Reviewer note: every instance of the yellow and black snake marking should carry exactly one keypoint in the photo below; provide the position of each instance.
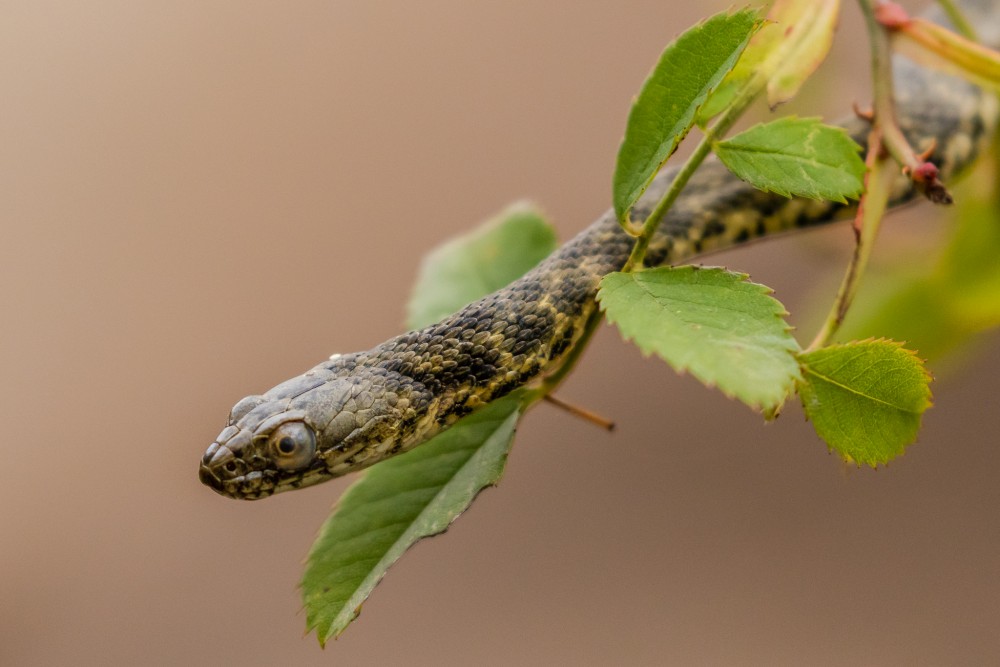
(357, 409)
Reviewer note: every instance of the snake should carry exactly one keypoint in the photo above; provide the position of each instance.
(354, 410)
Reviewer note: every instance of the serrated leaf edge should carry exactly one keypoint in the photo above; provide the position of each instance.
(726, 144)
(637, 193)
(323, 638)
(682, 369)
(928, 398)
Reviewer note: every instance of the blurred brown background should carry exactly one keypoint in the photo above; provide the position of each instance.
(200, 199)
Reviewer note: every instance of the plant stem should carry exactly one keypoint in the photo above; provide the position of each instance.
(956, 16)
(885, 135)
(923, 174)
(703, 150)
(871, 209)
(582, 413)
(747, 94)
(893, 139)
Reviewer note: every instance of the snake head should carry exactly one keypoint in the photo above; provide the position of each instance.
(305, 431)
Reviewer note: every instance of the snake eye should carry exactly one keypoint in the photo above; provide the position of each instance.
(293, 445)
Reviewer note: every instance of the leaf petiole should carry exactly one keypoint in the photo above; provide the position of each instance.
(878, 185)
(747, 94)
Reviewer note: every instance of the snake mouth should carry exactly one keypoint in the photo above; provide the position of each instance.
(226, 473)
(318, 473)
(251, 486)
(209, 478)
(229, 475)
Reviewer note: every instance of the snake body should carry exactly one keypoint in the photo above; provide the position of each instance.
(354, 410)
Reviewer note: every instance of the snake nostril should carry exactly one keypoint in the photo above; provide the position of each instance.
(231, 466)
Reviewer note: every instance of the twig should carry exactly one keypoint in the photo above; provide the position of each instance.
(887, 136)
(878, 184)
(583, 413)
(924, 174)
(747, 94)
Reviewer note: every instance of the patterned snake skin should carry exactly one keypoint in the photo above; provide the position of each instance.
(354, 410)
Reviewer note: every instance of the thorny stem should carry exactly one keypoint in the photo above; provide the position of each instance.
(878, 185)
(885, 105)
(885, 136)
(924, 175)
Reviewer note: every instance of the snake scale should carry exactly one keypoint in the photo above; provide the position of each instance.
(354, 410)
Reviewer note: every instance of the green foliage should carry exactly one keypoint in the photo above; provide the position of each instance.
(802, 34)
(782, 55)
(688, 70)
(418, 494)
(865, 399)
(796, 157)
(397, 503)
(722, 328)
(945, 293)
(471, 266)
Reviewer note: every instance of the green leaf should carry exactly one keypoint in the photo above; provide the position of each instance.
(865, 399)
(806, 28)
(721, 97)
(722, 328)
(796, 157)
(398, 502)
(783, 54)
(688, 70)
(482, 261)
